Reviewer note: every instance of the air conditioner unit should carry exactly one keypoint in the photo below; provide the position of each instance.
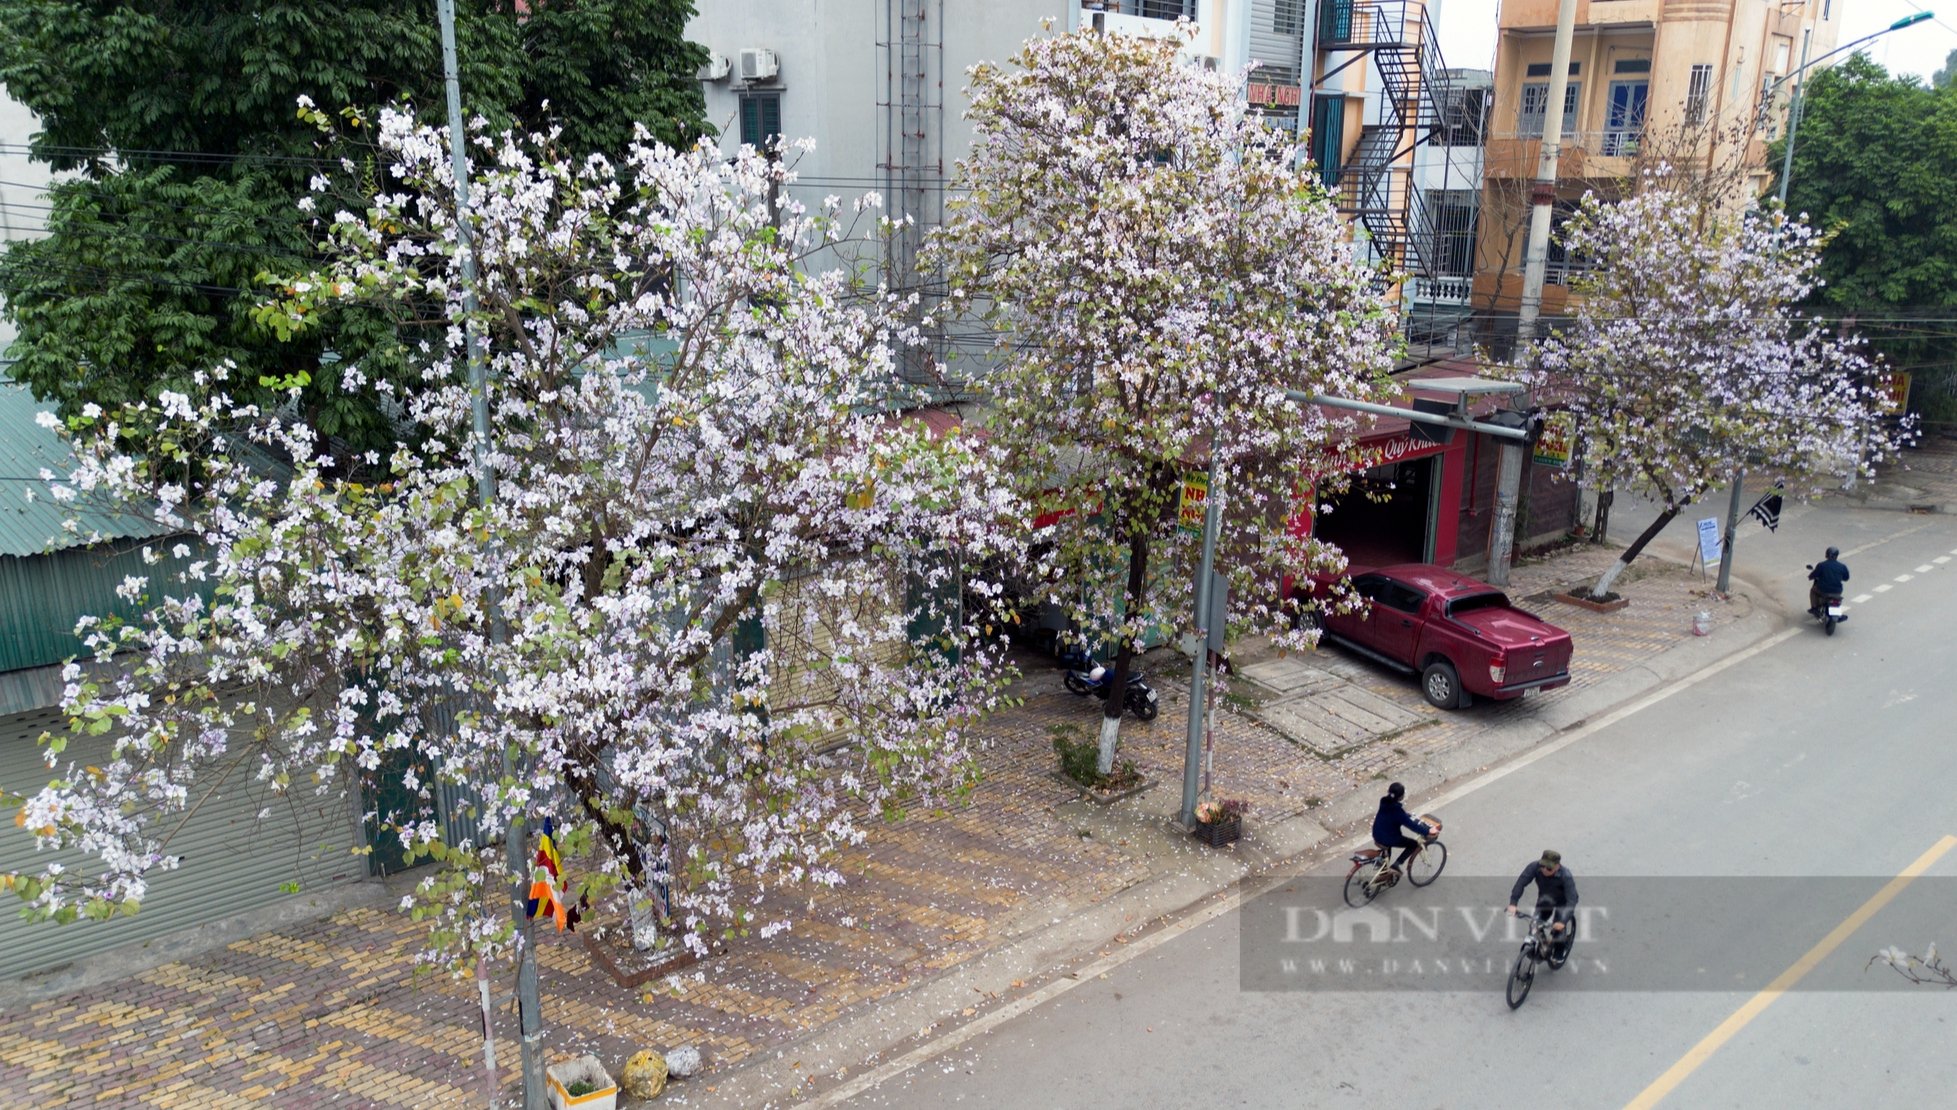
(716, 69)
(759, 65)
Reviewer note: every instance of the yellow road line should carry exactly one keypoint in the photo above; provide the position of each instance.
(1703, 1051)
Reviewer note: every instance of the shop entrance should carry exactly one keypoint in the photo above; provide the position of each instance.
(1384, 517)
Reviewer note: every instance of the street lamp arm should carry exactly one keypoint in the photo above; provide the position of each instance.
(1906, 21)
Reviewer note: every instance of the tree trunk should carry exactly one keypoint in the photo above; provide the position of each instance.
(1125, 655)
(1602, 523)
(1602, 588)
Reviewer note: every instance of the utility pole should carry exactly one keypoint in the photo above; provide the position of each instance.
(1542, 198)
(1724, 585)
(1199, 677)
(517, 841)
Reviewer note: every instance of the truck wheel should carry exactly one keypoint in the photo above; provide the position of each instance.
(1305, 620)
(1441, 685)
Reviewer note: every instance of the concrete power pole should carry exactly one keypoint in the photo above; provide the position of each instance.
(517, 841)
(1542, 198)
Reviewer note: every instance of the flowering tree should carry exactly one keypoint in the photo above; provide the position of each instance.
(690, 436)
(1684, 360)
(1159, 268)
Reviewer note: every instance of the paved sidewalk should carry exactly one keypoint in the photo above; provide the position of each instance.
(1924, 480)
(941, 915)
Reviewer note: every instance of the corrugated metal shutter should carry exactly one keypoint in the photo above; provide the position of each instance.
(1274, 38)
(232, 860)
(41, 596)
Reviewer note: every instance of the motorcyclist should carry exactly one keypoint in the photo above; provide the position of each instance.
(1830, 578)
(1393, 817)
(1555, 885)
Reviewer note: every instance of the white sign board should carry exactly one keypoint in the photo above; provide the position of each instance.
(1709, 540)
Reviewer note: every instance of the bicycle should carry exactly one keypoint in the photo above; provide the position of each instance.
(1373, 870)
(1541, 947)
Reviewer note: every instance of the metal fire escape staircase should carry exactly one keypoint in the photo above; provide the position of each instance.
(1375, 185)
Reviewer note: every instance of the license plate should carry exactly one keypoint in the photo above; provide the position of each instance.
(1836, 611)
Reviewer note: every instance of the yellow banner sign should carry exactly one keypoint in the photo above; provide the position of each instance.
(1558, 440)
(1894, 391)
(1195, 497)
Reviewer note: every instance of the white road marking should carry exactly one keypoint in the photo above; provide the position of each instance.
(1941, 559)
(1904, 577)
(1860, 598)
(979, 1026)
(1884, 588)
(1925, 569)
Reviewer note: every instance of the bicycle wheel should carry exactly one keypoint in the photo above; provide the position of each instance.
(1559, 954)
(1360, 887)
(1428, 865)
(1522, 976)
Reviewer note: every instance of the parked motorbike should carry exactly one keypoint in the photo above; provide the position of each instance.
(1830, 612)
(1085, 676)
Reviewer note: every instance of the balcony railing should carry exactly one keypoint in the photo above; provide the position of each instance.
(1443, 290)
(1515, 155)
(1147, 9)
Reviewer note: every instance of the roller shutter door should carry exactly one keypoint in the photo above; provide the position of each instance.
(232, 860)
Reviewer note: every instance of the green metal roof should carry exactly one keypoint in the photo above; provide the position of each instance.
(30, 518)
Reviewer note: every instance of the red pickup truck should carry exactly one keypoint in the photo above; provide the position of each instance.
(1462, 637)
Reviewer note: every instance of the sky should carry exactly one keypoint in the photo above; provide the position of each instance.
(1467, 32)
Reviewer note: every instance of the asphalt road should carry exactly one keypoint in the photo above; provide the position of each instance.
(1721, 831)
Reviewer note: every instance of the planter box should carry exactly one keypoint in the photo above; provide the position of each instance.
(628, 979)
(1586, 603)
(586, 1069)
(1218, 833)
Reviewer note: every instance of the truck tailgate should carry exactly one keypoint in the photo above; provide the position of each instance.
(1534, 649)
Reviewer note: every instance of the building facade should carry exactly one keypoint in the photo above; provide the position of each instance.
(878, 84)
(1678, 81)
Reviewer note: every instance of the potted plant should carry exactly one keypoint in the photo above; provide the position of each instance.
(1220, 821)
(581, 1084)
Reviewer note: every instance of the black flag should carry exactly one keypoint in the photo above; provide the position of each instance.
(1767, 510)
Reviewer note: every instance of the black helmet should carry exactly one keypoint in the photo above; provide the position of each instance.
(1396, 791)
(1834, 552)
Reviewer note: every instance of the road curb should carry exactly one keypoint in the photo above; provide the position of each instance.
(1185, 875)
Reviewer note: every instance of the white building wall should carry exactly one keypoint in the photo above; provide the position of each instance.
(836, 75)
(23, 185)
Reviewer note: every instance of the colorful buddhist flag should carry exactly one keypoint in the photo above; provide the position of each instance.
(546, 895)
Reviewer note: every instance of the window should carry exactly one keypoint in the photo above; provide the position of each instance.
(1827, 7)
(1535, 108)
(1541, 69)
(1698, 91)
(1464, 117)
(1393, 595)
(1157, 9)
(1562, 264)
(1783, 47)
(1451, 213)
(760, 118)
(1289, 17)
(1632, 65)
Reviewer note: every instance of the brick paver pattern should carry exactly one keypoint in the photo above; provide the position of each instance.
(331, 1012)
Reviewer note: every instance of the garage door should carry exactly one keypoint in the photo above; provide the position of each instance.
(232, 860)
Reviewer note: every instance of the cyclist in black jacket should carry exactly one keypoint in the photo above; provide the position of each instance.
(1391, 818)
(1554, 884)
